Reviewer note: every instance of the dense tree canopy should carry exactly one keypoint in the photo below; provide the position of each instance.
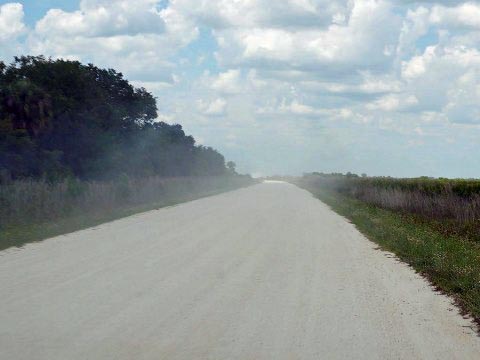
(62, 118)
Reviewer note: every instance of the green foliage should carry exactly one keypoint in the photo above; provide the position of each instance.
(426, 185)
(451, 206)
(61, 118)
(75, 188)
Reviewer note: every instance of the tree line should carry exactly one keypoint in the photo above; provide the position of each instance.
(61, 118)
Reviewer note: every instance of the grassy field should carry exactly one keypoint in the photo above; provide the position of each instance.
(450, 261)
(35, 210)
(451, 206)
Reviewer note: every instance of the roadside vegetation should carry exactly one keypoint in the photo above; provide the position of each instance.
(451, 206)
(80, 145)
(431, 224)
(32, 210)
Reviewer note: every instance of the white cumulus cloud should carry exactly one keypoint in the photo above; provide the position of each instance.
(11, 21)
(313, 78)
(216, 107)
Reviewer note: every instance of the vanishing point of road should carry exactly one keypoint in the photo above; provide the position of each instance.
(264, 272)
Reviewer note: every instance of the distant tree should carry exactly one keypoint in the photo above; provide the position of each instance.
(231, 167)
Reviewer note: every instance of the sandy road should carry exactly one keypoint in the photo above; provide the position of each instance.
(266, 272)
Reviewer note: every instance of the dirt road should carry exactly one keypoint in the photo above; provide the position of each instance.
(266, 272)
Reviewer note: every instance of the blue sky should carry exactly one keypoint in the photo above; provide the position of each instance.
(36, 9)
(383, 87)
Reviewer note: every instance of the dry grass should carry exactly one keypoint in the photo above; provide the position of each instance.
(31, 210)
(452, 206)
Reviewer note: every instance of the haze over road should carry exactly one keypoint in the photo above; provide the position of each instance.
(265, 272)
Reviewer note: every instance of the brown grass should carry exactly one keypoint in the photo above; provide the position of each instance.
(31, 210)
(438, 202)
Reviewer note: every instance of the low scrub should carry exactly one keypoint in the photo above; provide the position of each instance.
(32, 209)
(452, 206)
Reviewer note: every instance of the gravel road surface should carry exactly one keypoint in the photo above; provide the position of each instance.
(265, 272)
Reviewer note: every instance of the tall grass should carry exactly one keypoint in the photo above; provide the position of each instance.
(40, 205)
(453, 206)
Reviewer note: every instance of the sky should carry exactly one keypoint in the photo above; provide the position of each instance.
(382, 87)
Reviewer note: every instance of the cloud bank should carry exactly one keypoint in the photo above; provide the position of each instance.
(377, 86)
